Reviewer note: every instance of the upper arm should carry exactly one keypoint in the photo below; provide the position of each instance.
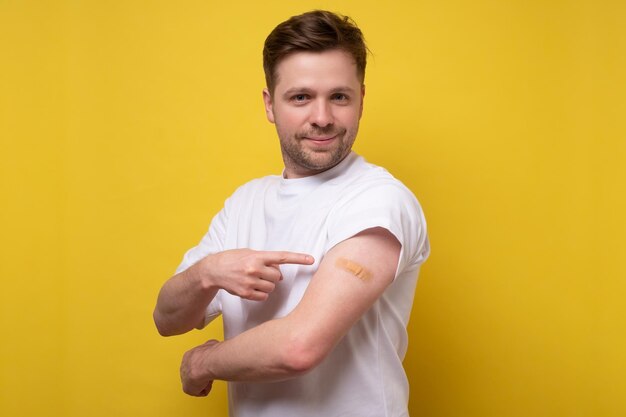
(350, 278)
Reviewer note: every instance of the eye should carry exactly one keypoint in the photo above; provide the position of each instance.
(300, 98)
(341, 97)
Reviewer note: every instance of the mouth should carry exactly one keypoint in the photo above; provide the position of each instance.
(321, 139)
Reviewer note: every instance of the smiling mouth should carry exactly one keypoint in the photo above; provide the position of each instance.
(321, 135)
(323, 139)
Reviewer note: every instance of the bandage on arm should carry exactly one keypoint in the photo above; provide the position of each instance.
(354, 268)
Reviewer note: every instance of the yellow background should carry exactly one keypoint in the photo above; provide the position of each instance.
(125, 124)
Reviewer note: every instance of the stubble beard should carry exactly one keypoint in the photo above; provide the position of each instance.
(296, 155)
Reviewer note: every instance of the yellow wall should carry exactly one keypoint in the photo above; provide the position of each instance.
(125, 124)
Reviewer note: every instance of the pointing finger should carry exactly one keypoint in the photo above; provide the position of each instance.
(283, 257)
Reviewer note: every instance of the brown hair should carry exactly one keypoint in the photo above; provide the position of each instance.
(314, 31)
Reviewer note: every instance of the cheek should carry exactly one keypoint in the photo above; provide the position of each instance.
(290, 120)
(349, 118)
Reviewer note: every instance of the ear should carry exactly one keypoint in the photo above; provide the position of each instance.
(362, 97)
(269, 109)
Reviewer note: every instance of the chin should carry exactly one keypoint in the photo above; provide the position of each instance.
(324, 160)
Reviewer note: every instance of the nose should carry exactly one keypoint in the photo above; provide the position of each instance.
(321, 114)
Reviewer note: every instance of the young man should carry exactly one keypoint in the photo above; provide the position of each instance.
(313, 271)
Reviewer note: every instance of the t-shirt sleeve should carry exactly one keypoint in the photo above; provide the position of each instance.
(212, 242)
(390, 206)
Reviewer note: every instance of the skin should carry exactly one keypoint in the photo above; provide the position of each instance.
(316, 107)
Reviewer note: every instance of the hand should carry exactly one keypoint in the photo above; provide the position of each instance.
(248, 273)
(193, 370)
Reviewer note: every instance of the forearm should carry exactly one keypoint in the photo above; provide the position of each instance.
(272, 351)
(182, 302)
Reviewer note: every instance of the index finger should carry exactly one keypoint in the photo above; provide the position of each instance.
(284, 257)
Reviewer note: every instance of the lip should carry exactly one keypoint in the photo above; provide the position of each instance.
(321, 139)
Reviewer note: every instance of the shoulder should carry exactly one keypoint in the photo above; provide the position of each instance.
(369, 183)
(381, 198)
(371, 198)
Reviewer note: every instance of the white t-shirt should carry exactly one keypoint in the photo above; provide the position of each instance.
(363, 375)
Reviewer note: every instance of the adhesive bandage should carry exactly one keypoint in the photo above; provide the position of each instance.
(354, 268)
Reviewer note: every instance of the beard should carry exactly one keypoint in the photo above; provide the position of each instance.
(297, 155)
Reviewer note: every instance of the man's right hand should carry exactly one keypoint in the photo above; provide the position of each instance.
(248, 273)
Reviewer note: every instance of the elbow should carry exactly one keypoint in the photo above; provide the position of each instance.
(300, 356)
(161, 325)
(164, 332)
(168, 326)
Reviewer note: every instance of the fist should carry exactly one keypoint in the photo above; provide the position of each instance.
(193, 374)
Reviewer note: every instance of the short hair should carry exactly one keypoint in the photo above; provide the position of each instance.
(314, 31)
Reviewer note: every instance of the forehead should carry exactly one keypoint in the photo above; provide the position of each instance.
(317, 70)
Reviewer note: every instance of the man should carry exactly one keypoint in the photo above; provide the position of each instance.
(313, 271)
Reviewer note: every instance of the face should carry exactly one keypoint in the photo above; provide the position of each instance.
(316, 106)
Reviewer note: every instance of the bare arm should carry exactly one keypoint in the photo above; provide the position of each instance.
(249, 274)
(183, 300)
(349, 280)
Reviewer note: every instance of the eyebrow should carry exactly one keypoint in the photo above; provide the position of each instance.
(306, 90)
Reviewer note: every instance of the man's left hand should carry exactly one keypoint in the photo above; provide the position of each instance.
(192, 370)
